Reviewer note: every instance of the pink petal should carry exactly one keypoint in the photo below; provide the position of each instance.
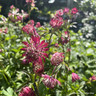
(46, 49)
(45, 54)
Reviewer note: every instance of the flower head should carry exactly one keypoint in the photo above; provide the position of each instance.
(12, 6)
(74, 11)
(31, 22)
(59, 12)
(27, 92)
(35, 50)
(50, 82)
(38, 25)
(75, 77)
(57, 58)
(29, 29)
(38, 67)
(66, 10)
(56, 22)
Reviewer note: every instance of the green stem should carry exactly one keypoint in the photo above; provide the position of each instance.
(53, 70)
(35, 87)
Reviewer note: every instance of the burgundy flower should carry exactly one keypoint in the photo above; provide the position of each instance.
(66, 10)
(75, 77)
(56, 22)
(93, 78)
(57, 58)
(38, 67)
(27, 92)
(29, 29)
(74, 11)
(35, 50)
(50, 82)
(65, 38)
(59, 12)
(38, 25)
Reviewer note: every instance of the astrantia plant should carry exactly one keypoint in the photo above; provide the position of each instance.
(36, 50)
(39, 60)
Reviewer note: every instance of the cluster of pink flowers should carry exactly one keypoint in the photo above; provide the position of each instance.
(26, 91)
(49, 81)
(64, 11)
(30, 29)
(15, 16)
(56, 22)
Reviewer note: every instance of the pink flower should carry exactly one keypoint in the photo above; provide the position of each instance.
(29, 29)
(66, 10)
(75, 77)
(31, 22)
(38, 25)
(56, 22)
(38, 67)
(12, 6)
(50, 82)
(93, 78)
(35, 50)
(74, 11)
(27, 92)
(57, 58)
(59, 12)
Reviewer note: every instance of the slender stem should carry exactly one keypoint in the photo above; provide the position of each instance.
(50, 38)
(53, 70)
(35, 87)
(29, 10)
(69, 48)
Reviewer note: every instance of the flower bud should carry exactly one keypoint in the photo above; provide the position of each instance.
(57, 58)
(75, 77)
(27, 92)
(50, 82)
